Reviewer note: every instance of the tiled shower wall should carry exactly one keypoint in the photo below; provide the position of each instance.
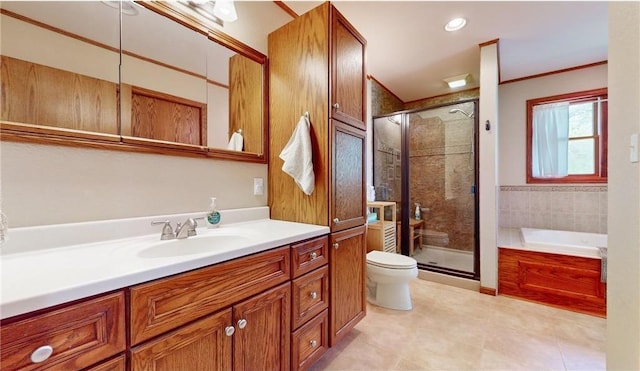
(569, 208)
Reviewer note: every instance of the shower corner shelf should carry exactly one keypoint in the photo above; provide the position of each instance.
(381, 234)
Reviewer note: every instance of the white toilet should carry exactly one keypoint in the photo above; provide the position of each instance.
(388, 277)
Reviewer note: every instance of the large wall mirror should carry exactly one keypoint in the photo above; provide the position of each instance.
(147, 76)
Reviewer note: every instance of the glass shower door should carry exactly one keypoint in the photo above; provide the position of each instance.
(441, 187)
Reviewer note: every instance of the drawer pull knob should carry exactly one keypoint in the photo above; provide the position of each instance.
(313, 343)
(336, 220)
(229, 330)
(41, 354)
(313, 256)
(336, 105)
(313, 294)
(336, 245)
(242, 323)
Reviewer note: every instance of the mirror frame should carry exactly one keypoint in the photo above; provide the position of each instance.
(19, 132)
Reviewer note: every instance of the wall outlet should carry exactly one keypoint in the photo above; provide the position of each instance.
(258, 186)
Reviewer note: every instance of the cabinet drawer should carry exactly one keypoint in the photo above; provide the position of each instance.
(310, 342)
(165, 304)
(309, 255)
(81, 334)
(310, 295)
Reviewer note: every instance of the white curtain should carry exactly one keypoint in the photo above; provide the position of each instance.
(550, 140)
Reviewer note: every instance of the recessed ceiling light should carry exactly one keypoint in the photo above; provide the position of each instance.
(455, 24)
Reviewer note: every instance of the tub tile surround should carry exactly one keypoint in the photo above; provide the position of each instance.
(570, 208)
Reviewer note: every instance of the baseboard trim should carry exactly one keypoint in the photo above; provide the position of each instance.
(487, 291)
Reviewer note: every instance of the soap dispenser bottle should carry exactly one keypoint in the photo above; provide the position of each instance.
(213, 215)
(417, 213)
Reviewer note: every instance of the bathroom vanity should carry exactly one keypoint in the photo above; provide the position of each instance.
(261, 302)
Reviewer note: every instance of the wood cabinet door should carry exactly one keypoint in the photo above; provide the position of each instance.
(263, 330)
(348, 73)
(347, 257)
(348, 200)
(202, 345)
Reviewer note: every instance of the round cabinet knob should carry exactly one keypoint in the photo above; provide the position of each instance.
(313, 256)
(313, 294)
(336, 105)
(336, 220)
(229, 330)
(41, 354)
(313, 343)
(242, 323)
(336, 245)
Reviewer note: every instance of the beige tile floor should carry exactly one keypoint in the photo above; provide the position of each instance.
(456, 329)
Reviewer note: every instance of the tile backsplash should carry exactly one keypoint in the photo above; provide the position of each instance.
(570, 208)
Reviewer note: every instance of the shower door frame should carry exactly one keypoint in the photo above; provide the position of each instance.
(406, 210)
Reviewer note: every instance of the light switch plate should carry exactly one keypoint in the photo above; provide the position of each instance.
(258, 186)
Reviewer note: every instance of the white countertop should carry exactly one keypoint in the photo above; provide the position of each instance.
(37, 279)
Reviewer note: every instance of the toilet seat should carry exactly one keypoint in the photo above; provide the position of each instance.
(390, 261)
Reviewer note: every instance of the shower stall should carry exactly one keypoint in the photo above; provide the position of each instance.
(426, 161)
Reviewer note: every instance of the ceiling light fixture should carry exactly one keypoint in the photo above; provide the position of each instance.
(455, 24)
(457, 81)
(225, 10)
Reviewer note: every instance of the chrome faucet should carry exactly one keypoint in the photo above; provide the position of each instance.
(187, 229)
(182, 231)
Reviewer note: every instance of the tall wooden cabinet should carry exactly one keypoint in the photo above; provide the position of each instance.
(316, 65)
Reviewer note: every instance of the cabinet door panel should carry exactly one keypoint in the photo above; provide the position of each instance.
(262, 341)
(348, 200)
(347, 276)
(347, 80)
(202, 346)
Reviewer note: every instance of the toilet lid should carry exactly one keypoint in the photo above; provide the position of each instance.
(389, 260)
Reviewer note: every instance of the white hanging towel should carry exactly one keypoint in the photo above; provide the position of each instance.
(297, 156)
(236, 142)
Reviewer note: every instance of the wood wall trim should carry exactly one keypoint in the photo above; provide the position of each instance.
(441, 95)
(486, 43)
(554, 72)
(487, 291)
(286, 9)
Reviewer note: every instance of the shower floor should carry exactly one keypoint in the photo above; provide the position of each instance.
(444, 257)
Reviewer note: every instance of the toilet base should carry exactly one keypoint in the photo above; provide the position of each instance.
(390, 295)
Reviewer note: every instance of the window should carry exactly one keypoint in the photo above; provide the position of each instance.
(567, 138)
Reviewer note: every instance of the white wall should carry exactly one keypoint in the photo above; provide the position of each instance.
(513, 115)
(44, 184)
(623, 287)
(488, 153)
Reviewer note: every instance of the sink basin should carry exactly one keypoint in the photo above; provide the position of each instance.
(194, 245)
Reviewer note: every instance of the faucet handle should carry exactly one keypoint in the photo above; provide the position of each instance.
(193, 224)
(167, 231)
